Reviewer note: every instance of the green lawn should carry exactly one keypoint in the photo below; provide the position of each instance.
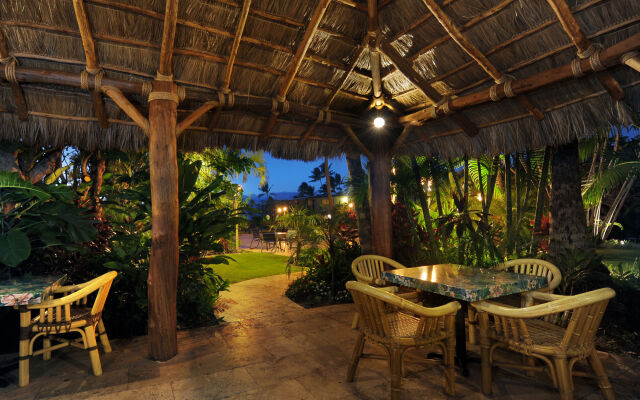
(253, 265)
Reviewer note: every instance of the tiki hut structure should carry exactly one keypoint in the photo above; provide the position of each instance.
(303, 79)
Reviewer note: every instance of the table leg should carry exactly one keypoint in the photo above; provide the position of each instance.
(23, 353)
(461, 339)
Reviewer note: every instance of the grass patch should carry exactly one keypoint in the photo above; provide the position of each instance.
(253, 265)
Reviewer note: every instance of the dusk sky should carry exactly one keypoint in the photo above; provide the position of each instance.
(287, 175)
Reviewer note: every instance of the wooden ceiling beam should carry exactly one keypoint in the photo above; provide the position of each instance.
(18, 94)
(353, 4)
(417, 80)
(584, 46)
(294, 66)
(609, 57)
(242, 21)
(93, 64)
(417, 23)
(168, 38)
(125, 105)
(465, 44)
(356, 140)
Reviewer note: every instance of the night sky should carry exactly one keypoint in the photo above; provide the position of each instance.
(287, 175)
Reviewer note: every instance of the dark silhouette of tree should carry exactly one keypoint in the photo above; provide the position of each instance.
(305, 190)
(336, 180)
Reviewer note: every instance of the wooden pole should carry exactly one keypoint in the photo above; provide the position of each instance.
(163, 268)
(380, 175)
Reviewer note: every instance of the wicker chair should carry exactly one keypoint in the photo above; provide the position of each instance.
(532, 266)
(398, 325)
(559, 332)
(63, 315)
(368, 269)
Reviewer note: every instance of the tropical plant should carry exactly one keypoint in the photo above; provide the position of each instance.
(306, 224)
(38, 216)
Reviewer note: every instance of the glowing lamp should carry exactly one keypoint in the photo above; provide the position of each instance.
(378, 122)
(350, 205)
(279, 210)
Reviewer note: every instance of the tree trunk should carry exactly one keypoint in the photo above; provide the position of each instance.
(537, 219)
(568, 224)
(163, 268)
(99, 168)
(509, 206)
(380, 187)
(356, 172)
(327, 175)
(421, 195)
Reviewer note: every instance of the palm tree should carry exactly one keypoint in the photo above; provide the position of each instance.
(359, 192)
(305, 190)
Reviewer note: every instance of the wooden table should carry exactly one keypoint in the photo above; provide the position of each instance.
(466, 285)
(19, 293)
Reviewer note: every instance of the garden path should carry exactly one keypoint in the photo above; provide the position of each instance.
(271, 348)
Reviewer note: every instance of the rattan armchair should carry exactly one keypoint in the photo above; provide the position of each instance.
(532, 266)
(369, 268)
(67, 314)
(398, 325)
(558, 332)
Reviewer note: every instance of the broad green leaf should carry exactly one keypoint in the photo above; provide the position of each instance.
(14, 247)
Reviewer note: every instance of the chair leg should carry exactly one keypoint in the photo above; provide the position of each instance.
(104, 339)
(355, 358)
(603, 380)
(449, 366)
(356, 318)
(46, 343)
(23, 352)
(92, 346)
(473, 320)
(486, 365)
(395, 364)
(564, 378)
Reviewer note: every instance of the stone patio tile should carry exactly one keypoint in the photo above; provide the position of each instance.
(284, 368)
(217, 385)
(160, 391)
(289, 389)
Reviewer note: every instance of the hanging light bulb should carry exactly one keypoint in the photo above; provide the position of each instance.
(378, 122)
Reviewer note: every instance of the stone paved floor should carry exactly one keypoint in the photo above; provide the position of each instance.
(271, 348)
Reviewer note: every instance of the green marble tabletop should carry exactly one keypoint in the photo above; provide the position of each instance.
(27, 290)
(464, 283)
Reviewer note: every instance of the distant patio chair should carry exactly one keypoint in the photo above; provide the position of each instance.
(256, 238)
(68, 314)
(269, 239)
(292, 235)
(399, 325)
(559, 331)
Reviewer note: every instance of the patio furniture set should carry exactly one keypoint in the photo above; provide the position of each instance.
(550, 332)
(270, 240)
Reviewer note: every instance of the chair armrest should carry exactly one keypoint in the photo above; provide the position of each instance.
(390, 289)
(87, 289)
(544, 296)
(564, 303)
(70, 288)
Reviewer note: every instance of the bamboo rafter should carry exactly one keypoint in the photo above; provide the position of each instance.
(168, 38)
(584, 46)
(609, 57)
(354, 138)
(93, 64)
(461, 40)
(18, 94)
(184, 52)
(292, 71)
(334, 93)
(407, 69)
(501, 46)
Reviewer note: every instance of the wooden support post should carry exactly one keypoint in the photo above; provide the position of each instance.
(380, 184)
(163, 268)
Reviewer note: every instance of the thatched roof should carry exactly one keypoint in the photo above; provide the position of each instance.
(521, 38)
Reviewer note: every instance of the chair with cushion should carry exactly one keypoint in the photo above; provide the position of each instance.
(398, 325)
(78, 311)
(369, 268)
(557, 331)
